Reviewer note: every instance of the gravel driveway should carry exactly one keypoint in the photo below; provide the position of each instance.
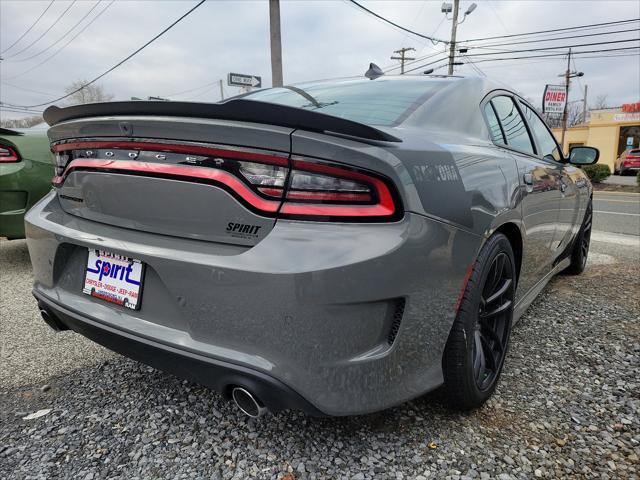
(567, 406)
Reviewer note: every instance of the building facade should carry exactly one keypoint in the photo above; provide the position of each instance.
(610, 130)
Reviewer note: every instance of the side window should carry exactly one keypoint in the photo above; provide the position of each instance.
(494, 127)
(547, 146)
(513, 126)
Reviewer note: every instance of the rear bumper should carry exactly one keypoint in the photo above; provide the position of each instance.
(216, 374)
(313, 306)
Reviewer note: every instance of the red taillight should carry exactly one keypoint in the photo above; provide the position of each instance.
(269, 183)
(336, 192)
(8, 155)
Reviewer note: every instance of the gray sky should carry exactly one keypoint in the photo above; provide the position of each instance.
(320, 39)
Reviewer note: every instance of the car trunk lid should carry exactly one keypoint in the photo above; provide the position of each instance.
(183, 177)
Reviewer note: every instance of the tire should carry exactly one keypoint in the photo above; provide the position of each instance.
(478, 341)
(580, 250)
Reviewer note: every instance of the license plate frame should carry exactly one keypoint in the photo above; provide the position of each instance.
(114, 278)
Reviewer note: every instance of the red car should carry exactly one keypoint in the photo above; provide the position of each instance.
(628, 160)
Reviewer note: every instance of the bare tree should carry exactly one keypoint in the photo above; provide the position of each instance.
(574, 113)
(89, 94)
(600, 103)
(24, 122)
(554, 120)
(574, 116)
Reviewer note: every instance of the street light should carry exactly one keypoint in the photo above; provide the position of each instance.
(568, 75)
(446, 8)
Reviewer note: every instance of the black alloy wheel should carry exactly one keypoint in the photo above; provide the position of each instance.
(494, 318)
(478, 341)
(585, 239)
(581, 244)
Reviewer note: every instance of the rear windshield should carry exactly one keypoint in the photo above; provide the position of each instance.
(381, 101)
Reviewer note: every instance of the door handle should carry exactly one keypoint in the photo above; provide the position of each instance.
(528, 178)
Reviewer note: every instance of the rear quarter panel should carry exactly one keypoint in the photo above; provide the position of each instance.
(471, 187)
(23, 183)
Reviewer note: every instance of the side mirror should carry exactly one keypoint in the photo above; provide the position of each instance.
(583, 156)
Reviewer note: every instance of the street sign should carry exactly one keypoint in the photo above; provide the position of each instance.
(242, 80)
(554, 99)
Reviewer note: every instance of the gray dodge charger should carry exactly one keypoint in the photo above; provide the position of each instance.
(337, 247)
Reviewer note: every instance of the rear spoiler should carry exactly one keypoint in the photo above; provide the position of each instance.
(232, 109)
(6, 131)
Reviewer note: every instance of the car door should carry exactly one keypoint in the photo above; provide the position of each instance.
(548, 150)
(539, 180)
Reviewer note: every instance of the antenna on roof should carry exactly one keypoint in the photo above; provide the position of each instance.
(374, 72)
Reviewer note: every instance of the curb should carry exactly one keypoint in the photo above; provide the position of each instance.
(607, 192)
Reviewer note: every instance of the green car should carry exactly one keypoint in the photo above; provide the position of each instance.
(26, 169)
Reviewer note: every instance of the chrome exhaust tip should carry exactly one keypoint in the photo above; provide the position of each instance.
(45, 315)
(52, 321)
(247, 403)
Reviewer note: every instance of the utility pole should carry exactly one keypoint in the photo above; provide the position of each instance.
(454, 29)
(276, 44)
(221, 91)
(567, 80)
(568, 75)
(402, 57)
(584, 105)
(448, 8)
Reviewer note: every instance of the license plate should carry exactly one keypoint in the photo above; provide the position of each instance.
(114, 278)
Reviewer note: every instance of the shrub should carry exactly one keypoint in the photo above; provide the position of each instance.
(598, 172)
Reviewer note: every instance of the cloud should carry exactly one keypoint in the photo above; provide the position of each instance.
(321, 39)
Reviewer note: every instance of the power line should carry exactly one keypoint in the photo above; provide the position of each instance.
(446, 57)
(553, 39)
(46, 31)
(207, 90)
(18, 110)
(552, 30)
(371, 12)
(417, 60)
(121, 61)
(192, 89)
(26, 89)
(559, 47)
(546, 55)
(37, 65)
(62, 37)
(474, 66)
(29, 29)
(547, 59)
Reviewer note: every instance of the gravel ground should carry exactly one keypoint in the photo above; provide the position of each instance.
(567, 406)
(29, 353)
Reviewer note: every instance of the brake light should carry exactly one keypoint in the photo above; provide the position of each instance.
(336, 192)
(8, 155)
(269, 183)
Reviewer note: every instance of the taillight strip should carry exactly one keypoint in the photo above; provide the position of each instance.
(272, 159)
(151, 169)
(8, 154)
(384, 208)
(336, 210)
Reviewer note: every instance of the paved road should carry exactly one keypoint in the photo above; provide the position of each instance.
(616, 212)
(621, 180)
